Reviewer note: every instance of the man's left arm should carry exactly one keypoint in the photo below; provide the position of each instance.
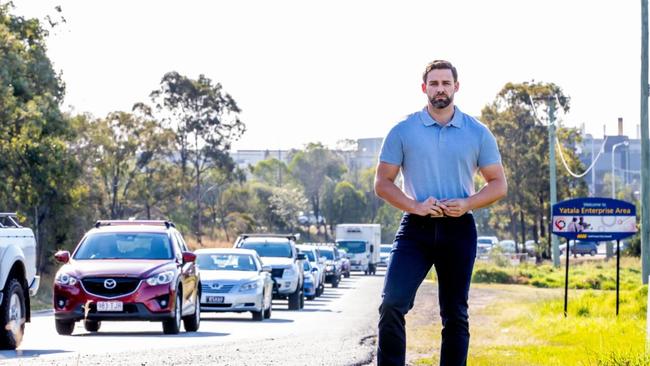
(495, 189)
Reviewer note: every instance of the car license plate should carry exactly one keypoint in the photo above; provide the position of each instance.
(109, 306)
(215, 299)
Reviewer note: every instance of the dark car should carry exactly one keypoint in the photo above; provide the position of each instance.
(345, 263)
(333, 268)
(128, 270)
(581, 247)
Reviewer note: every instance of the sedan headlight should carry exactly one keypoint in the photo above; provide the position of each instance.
(161, 278)
(65, 279)
(289, 272)
(248, 286)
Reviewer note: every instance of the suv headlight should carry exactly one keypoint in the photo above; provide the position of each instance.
(289, 272)
(248, 286)
(65, 279)
(161, 278)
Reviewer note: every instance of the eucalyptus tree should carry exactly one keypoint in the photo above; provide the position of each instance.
(205, 120)
(37, 172)
(123, 150)
(518, 118)
(311, 167)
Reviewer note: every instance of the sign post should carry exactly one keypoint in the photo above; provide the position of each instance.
(593, 219)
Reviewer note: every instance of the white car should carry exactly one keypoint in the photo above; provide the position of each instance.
(234, 280)
(317, 261)
(507, 246)
(484, 245)
(384, 254)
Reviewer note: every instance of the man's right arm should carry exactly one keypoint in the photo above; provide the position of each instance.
(386, 189)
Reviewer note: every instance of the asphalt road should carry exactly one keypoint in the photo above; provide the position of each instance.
(337, 328)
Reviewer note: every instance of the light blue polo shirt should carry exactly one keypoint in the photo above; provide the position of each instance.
(439, 161)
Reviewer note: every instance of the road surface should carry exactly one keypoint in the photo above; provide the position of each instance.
(337, 328)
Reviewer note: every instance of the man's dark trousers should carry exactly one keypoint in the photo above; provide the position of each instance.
(449, 244)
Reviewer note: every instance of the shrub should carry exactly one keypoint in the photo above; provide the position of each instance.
(485, 275)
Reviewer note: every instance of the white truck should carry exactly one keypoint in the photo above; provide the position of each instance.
(361, 241)
(18, 279)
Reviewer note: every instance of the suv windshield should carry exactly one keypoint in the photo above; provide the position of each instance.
(125, 246)
(485, 241)
(352, 246)
(309, 254)
(226, 262)
(386, 249)
(282, 250)
(327, 253)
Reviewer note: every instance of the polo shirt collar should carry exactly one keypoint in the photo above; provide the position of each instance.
(456, 119)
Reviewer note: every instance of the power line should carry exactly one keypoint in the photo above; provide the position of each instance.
(593, 163)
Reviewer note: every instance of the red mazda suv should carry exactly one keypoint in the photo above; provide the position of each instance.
(128, 270)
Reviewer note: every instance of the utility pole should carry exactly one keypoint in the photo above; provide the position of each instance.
(645, 148)
(553, 180)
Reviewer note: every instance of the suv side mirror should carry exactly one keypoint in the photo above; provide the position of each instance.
(301, 256)
(188, 257)
(62, 256)
(372, 248)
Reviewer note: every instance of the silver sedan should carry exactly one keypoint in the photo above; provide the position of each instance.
(234, 280)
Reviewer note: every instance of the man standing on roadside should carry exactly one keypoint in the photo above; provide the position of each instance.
(438, 149)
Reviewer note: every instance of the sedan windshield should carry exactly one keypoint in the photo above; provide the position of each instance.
(125, 246)
(310, 255)
(281, 250)
(226, 262)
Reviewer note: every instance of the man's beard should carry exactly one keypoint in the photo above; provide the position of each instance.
(440, 103)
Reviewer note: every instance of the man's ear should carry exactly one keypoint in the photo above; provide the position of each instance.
(424, 88)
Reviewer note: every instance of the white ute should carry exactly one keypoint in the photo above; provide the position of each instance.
(18, 279)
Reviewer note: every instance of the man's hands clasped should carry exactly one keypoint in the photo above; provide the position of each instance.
(439, 208)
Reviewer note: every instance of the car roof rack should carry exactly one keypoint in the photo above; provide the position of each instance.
(9, 220)
(165, 223)
(293, 237)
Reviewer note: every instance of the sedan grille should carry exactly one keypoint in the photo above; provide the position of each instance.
(110, 286)
(218, 289)
(277, 272)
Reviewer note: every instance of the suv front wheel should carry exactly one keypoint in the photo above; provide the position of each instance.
(173, 325)
(295, 299)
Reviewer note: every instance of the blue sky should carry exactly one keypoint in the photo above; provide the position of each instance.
(305, 71)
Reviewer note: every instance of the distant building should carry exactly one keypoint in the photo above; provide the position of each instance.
(625, 162)
(245, 158)
(365, 155)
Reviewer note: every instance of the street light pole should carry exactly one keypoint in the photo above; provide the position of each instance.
(614, 180)
(555, 245)
(609, 252)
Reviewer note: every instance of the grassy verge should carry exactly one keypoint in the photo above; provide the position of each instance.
(596, 275)
(524, 325)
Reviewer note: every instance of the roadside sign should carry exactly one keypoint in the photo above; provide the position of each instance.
(594, 218)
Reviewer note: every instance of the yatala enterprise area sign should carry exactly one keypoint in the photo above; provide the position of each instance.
(594, 218)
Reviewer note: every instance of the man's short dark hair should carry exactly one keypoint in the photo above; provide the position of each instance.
(439, 65)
